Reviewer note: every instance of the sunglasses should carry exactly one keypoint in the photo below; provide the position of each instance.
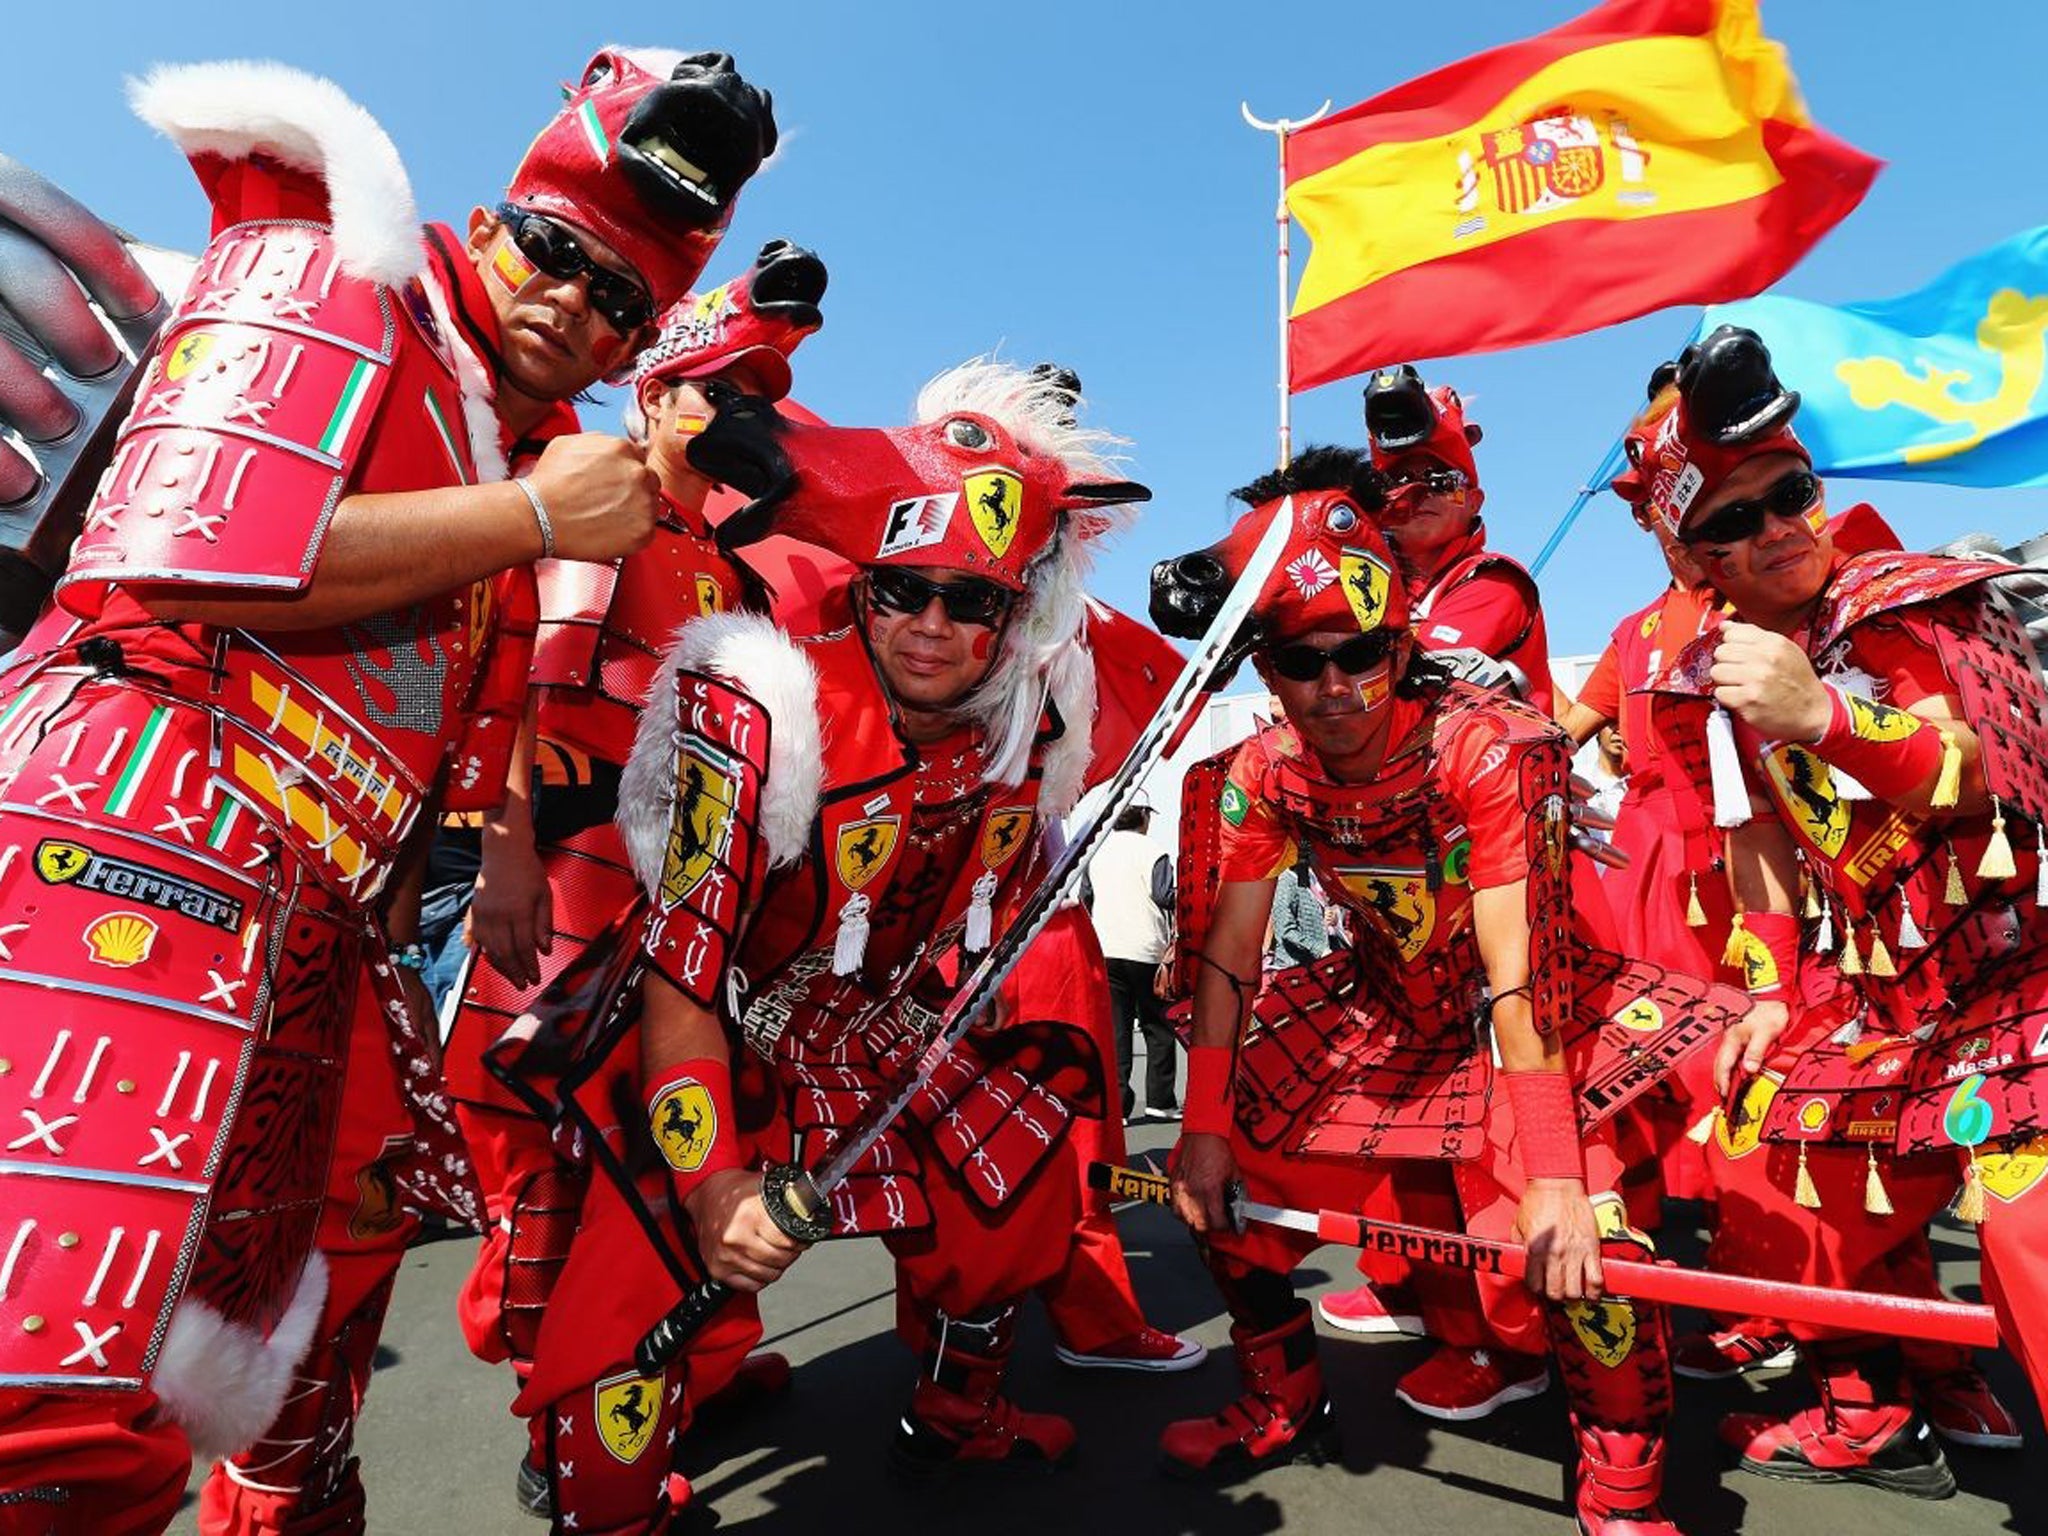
(1792, 496)
(1304, 663)
(624, 304)
(1438, 482)
(968, 601)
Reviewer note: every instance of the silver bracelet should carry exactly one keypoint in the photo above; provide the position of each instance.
(540, 515)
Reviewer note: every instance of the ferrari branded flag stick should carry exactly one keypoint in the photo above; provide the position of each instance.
(1911, 1317)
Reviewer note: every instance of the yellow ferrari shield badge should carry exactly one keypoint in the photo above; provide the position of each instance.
(1606, 1328)
(1398, 902)
(1743, 1135)
(685, 1124)
(700, 822)
(1640, 1015)
(628, 1409)
(1003, 834)
(864, 849)
(1806, 787)
(995, 500)
(1366, 583)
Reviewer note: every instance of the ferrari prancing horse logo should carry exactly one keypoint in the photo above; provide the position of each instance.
(995, 500)
(864, 848)
(628, 1411)
(1004, 834)
(1399, 903)
(1366, 583)
(700, 823)
(1806, 788)
(1606, 1328)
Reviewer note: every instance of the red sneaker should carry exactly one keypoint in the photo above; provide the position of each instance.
(1372, 1308)
(1463, 1384)
(1718, 1356)
(1963, 1411)
(1146, 1350)
(1887, 1446)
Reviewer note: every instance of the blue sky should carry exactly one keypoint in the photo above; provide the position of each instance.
(1072, 181)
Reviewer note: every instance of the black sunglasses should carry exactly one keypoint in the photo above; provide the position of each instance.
(558, 253)
(1304, 663)
(1793, 496)
(968, 601)
(1438, 482)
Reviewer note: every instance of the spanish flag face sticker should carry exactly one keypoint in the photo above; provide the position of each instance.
(510, 268)
(1366, 583)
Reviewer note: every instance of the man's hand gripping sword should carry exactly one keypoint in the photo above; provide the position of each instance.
(798, 1199)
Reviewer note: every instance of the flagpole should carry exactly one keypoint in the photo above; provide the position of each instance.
(1280, 128)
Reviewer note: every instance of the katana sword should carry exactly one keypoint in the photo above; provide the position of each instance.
(1911, 1317)
(799, 1199)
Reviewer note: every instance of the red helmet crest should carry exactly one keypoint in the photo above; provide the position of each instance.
(759, 317)
(649, 153)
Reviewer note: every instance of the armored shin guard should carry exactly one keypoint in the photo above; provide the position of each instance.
(300, 1478)
(1615, 1357)
(958, 1417)
(1863, 1431)
(1284, 1414)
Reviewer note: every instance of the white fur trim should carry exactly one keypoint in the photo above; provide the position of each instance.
(765, 664)
(223, 1382)
(479, 390)
(237, 107)
(1071, 678)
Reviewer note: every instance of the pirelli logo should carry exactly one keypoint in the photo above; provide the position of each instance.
(1883, 846)
(62, 863)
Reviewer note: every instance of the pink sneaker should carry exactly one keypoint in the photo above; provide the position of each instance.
(1146, 1350)
(1464, 1384)
(1963, 1411)
(1371, 1308)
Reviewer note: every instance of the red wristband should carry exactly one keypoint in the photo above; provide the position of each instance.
(691, 1118)
(1546, 1125)
(1766, 946)
(1210, 1108)
(1889, 752)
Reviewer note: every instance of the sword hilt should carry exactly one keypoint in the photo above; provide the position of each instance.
(792, 1203)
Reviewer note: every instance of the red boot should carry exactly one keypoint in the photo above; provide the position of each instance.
(959, 1419)
(1283, 1416)
(1620, 1478)
(1858, 1434)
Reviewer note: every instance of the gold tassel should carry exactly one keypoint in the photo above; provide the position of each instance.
(1997, 862)
(1953, 894)
(1695, 914)
(1910, 936)
(1803, 1191)
(1948, 787)
(1880, 957)
(1970, 1203)
(1737, 945)
(1813, 906)
(1877, 1201)
(1702, 1130)
(1851, 963)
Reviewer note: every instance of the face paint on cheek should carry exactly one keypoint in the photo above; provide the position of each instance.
(607, 346)
(1817, 517)
(691, 424)
(510, 268)
(1375, 686)
(984, 643)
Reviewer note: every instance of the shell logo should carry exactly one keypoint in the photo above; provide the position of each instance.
(121, 939)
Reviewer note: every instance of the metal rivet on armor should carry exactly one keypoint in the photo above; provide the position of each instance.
(186, 448)
(127, 1084)
(6, 1066)
(33, 1323)
(166, 480)
(67, 1240)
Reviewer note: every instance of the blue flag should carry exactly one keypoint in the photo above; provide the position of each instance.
(1945, 384)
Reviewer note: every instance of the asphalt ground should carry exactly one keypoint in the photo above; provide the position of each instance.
(439, 1449)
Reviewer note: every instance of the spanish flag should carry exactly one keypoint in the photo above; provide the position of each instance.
(1651, 152)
